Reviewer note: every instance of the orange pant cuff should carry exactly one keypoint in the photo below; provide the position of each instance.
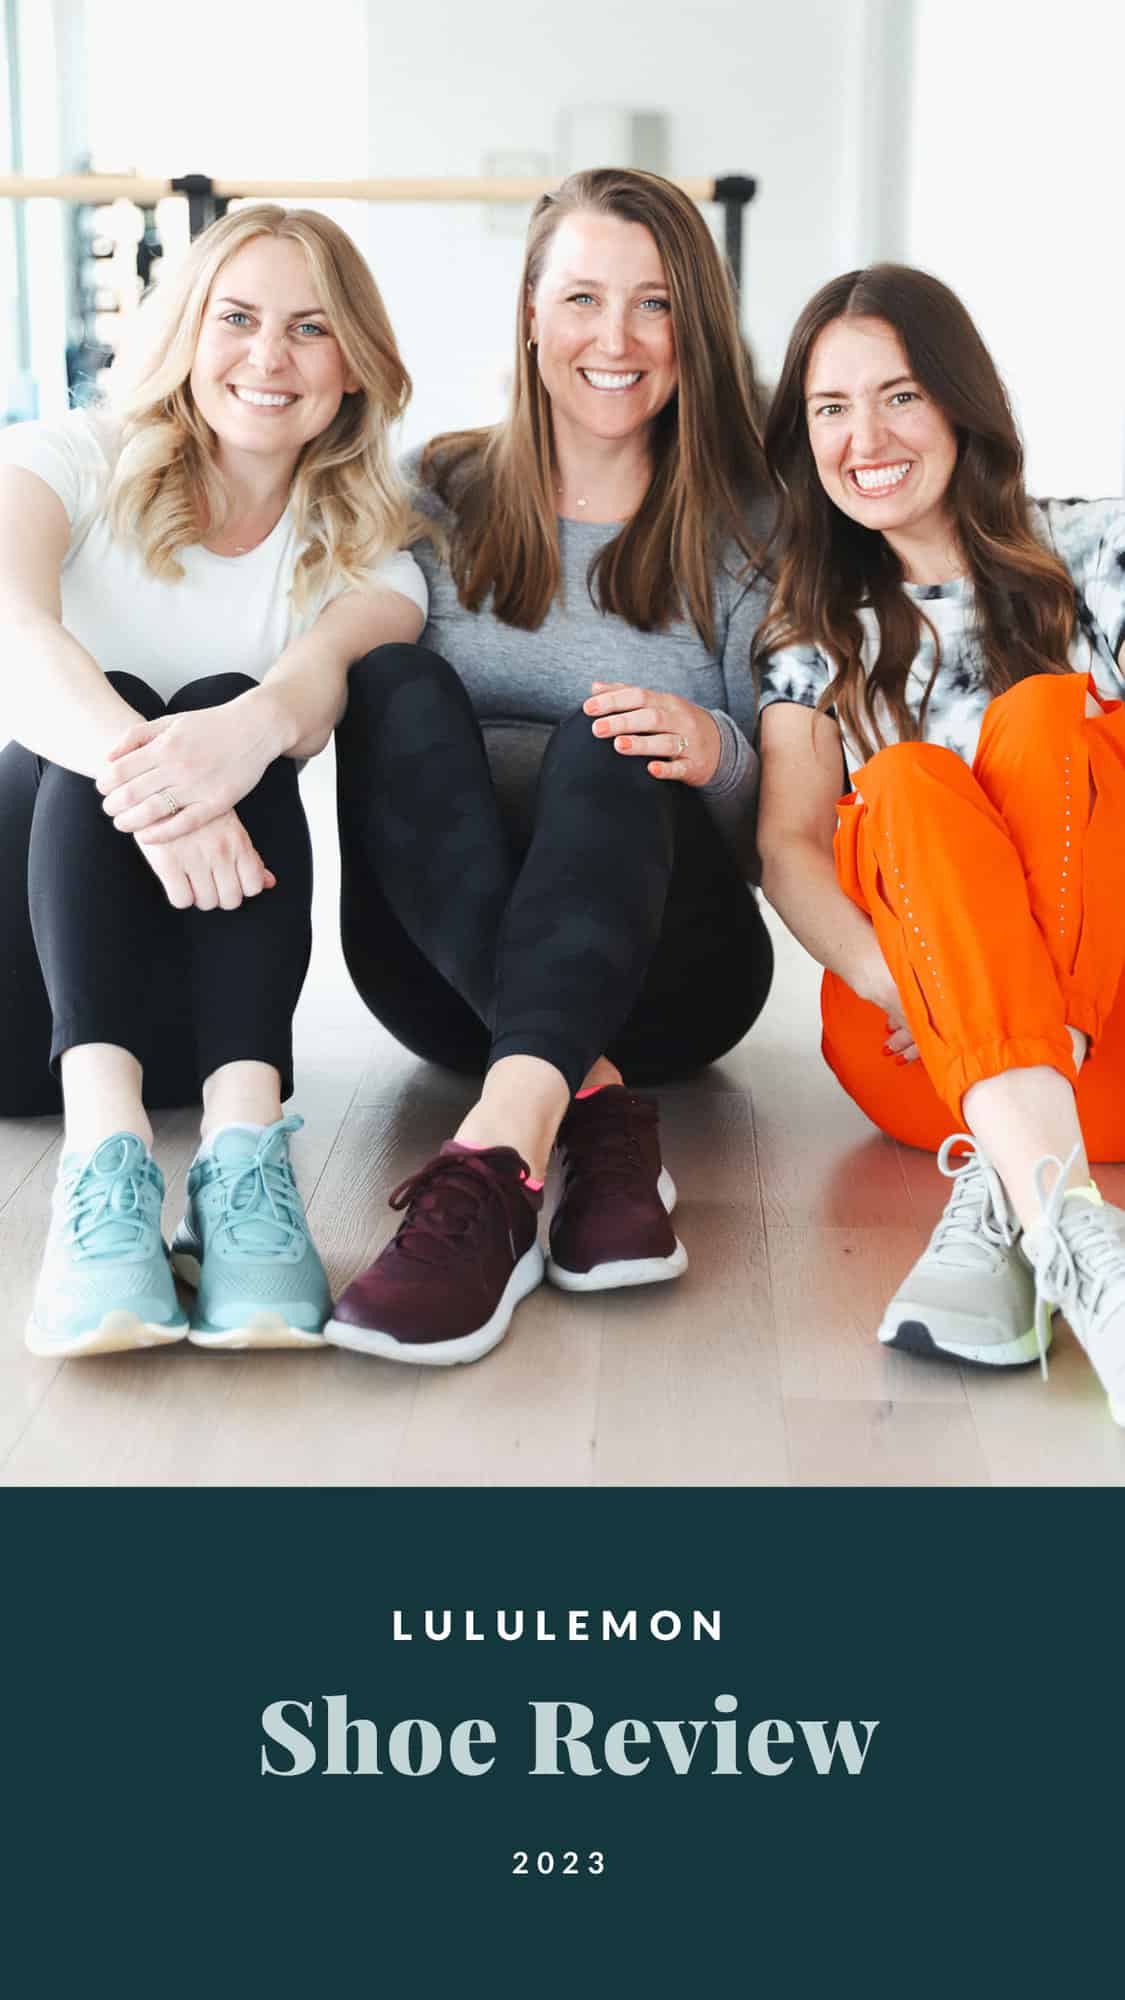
(971, 1066)
(1085, 1014)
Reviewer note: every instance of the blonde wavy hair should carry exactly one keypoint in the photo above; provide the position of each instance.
(350, 504)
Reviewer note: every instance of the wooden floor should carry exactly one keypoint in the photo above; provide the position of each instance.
(759, 1367)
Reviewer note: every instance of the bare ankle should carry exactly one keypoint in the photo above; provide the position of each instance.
(600, 1076)
(101, 1095)
(522, 1106)
(241, 1093)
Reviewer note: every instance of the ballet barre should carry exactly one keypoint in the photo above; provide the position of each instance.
(208, 199)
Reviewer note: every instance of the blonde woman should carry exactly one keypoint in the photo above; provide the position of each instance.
(185, 578)
(593, 581)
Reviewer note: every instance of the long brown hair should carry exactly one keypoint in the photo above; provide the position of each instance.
(827, 565)
(706, 447)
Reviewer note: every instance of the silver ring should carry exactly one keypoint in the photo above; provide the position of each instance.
(682, 751)
(173, 805)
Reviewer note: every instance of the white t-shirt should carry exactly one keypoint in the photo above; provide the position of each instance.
(228, 614)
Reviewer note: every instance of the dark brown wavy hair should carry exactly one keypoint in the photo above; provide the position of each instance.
(828, 565)
(706, 445)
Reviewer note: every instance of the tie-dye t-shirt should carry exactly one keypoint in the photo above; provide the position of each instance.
(1088, 536)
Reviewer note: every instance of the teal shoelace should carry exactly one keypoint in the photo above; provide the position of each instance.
(260, 1195)
(105, 1210)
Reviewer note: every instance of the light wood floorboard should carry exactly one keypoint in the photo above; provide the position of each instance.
(759, 1367)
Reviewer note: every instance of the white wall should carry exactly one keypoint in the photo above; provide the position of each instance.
(780, 91)
(1015, 200)
(980, 138)
(227, 87)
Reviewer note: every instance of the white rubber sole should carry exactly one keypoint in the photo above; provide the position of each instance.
(526, 1276)
(914, 1333)
(262, 1329)
(627, 1271)
(263, 1326)
(117, 1332)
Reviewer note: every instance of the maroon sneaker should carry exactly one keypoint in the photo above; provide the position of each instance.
(611, 1226)
(466, 1253)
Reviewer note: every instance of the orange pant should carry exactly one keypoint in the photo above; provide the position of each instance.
(998, 898)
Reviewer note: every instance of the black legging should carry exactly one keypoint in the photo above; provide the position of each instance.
(624, 929)
(94, 952)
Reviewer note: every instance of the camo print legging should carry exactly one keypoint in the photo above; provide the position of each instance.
(623, 928)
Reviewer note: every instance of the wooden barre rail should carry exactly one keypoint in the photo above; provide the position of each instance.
(145, 193)
(207, 198)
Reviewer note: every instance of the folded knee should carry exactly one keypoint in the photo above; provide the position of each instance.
(574, 745)
(210, 692)
(902, 765)
(137, 693)
(1042, 701)
(400, 673)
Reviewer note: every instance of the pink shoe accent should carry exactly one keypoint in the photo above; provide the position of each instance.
(445, 1287)
(593, 1091)
(459, 1146)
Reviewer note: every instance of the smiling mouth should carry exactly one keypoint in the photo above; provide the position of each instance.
(261, 399)
(878, 479)
(609, 380)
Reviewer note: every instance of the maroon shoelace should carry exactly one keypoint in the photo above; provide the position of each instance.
(610, 1147)
(444, 1201)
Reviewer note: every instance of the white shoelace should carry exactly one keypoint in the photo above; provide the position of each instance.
(977, 1216)
(1079, 1257)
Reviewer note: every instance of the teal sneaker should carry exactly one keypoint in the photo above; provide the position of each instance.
(245, 1243)
(106, 1282)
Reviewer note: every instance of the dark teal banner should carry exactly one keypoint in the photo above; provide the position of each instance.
(898, 1764)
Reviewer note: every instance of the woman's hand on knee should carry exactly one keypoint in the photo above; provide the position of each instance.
(176, 774)
(873, 981)
(213, 868)
(680, 739)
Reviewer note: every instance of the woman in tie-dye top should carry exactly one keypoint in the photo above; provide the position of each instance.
(958, 649)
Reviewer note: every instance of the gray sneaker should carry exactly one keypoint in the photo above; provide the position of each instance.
(1077, 1251)
(971, 1294)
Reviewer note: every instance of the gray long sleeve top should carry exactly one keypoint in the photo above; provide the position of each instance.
(542, 676)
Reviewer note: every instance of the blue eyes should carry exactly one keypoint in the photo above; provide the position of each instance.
(587, 298)
(307, 326)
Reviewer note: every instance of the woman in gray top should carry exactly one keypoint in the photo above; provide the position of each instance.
(593, 581)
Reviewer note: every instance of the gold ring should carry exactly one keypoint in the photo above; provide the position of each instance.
(682, 752)
(173, 805)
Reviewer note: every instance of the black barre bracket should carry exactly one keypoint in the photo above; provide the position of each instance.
(734, 192)
(204, 205)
